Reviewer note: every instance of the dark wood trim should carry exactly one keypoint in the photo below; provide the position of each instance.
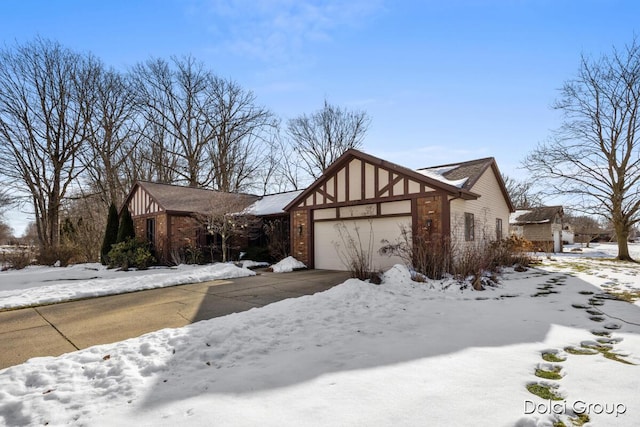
(376, 180)
(446, 214)
(323, 191)
(372, 201)
(394, 178)
(365, 217)
(363, 173)
(311, 240)
(346, 182)
(392, 168)
(414, 216)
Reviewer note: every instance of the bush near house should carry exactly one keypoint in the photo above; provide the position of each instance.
(436, 256)
(130, 254)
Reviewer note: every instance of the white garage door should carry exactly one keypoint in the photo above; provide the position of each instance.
(331, 240)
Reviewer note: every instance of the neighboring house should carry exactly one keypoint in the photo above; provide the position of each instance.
(363, 195)
(568, 235)
(542, 226)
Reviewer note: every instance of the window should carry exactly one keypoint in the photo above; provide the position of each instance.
(498, 228)
(151, 231)
(469, 227)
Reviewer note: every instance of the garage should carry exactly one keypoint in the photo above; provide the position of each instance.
(374, 198)
(331, 237)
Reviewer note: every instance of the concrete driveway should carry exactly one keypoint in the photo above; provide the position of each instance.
(55, 329)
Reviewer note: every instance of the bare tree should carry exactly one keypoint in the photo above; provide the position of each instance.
(242, 131)
(176, 103)
(111, 135)
(83, 225)
(43, 125)
(6, 233)
(595, 154)
(290, 174)
(322, 137)
(198, 128)
(522, 193)
(224, 219)
(5, 201)
(585, 228)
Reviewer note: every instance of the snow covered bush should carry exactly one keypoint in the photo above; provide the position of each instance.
(435, 256)
(429, 255)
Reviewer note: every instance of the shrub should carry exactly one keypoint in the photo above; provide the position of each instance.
(259, 253)
(130, 254)
(428, 254)
(110, 234)
(356, 257)
(510, 251)
(277, 233)
(63, 254)
(435, 256)
(18, 257)
(188, 254)
(126, 229)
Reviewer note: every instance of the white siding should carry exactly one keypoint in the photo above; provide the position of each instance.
(329, 213)
(489, 206)
(400, 207)
(358, 210)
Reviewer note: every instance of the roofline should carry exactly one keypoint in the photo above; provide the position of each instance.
(490, 162)
(503, 186)
(352, 152)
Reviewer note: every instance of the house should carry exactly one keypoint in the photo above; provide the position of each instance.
(541, 225)
(370, 199)
(172, 218)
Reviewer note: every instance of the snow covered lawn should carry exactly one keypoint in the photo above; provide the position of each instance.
(399, 353)
(43, 285)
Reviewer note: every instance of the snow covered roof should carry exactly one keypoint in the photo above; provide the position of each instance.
(461, 175)
(438, 174)
(538, 215)
(272, 204)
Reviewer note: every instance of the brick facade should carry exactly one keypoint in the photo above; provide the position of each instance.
(429, 216)
(301, 235)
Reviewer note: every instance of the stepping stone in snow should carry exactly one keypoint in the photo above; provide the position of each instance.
(580, 306)
(595, 345)
(548, 371)
(605, 340)
(581, 351)
(552, 355)
(613, 325)
(585, 293)
(606, 296)
(601, 333)
(597, 318)
(594, 311)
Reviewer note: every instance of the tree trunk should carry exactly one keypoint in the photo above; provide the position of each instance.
(623, 245)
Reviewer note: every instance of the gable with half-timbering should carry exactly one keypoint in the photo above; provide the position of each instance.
(359, 181)
(142, 203)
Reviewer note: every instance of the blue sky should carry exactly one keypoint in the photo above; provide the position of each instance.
(443, 81)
